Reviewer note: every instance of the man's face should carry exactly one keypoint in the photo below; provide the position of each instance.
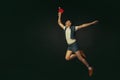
(68, 23)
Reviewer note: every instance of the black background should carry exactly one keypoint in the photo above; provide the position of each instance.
(33, 45)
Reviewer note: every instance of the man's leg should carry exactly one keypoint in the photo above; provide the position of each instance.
(68, 54)
(79, 56)
(82, 53)
(72, 56)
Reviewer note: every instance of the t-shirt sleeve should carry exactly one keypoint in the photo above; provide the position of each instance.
(76, 28)
(64, 28)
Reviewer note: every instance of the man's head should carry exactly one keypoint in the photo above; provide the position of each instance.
(68, 23)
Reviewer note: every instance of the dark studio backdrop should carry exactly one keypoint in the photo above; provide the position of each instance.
(33, 45)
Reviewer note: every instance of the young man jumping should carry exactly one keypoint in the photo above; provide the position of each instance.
(73, 46)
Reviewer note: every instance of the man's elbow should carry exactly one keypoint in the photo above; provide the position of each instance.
(59, 22)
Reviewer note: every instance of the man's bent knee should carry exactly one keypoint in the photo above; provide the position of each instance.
(67, 58)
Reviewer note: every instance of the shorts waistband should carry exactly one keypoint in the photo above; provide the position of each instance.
(72, 44)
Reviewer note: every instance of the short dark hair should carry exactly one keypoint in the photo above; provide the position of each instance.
(70, 21)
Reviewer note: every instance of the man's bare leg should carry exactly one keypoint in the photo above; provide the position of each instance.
(82, 53)
(72, 56)
(68, 54)
(79, 56)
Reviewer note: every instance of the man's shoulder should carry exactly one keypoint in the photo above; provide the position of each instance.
(74, 27)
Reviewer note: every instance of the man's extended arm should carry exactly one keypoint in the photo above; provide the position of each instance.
(59, 20)
(86, 24)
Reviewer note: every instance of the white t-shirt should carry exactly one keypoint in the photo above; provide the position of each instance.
(68, 35)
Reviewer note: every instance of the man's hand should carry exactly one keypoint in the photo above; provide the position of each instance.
(59, 14)
(60, 10)
(94, 22)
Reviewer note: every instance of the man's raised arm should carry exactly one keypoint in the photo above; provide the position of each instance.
(59, 20)
(86, 24)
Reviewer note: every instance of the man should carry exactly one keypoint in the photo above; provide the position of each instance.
(73, 46)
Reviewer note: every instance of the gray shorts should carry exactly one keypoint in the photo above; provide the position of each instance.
(73, 47)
